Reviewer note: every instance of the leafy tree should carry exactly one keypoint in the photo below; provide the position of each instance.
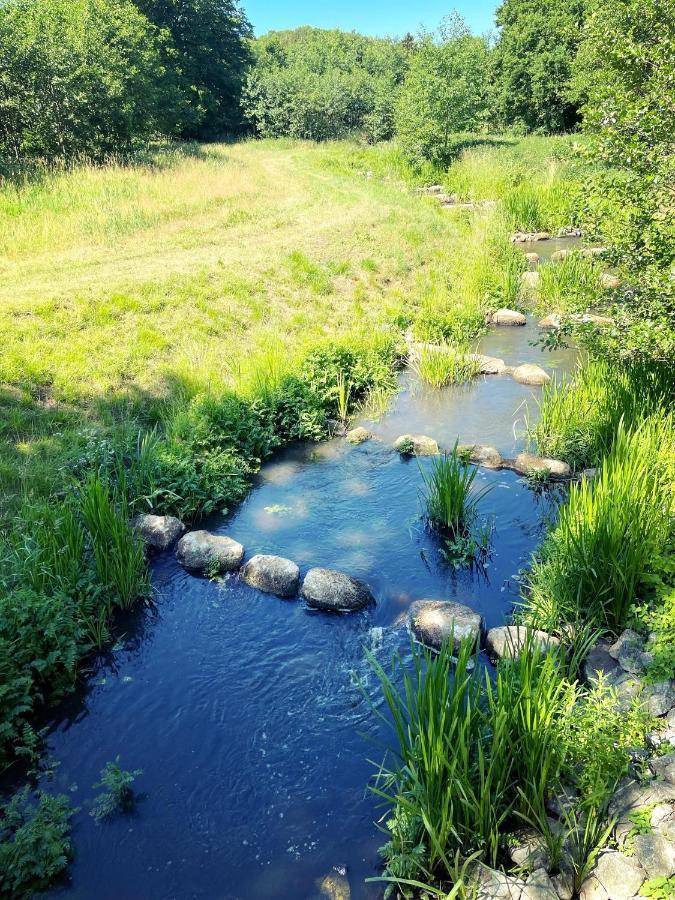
(320, 84)
(81, 77)
(626, 70)
(532, 63)
(211, 38)
(445, 91)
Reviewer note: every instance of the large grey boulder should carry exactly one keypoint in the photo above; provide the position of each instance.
(334, 591)
(664, 767)
(507, 317)
(158, 532)
(532, 258)
(609, 282)
(659, 698)
(655, 854)
(599, 662)
(633, 796)
(510, 640)
(559, 255)
(591, 252)
(529, 373)
(538, 886)
(613, 877)
(416, 444)
(491, 884)
(272, 575)
(528, 850)
(527, 463)
(212, 554)
(433, 622)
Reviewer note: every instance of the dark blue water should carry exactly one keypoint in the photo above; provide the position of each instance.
(245, 711)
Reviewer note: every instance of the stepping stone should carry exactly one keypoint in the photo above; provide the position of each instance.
(433, 622)
(200, 551)
(526, 463)
(272, 575)
(528, 373)
(591, 252)
(560, 254)
(158, 532)
(524, 237)
(609, 282)
(532, 258)
(334, 591)
(416, 445)
(509, 640)
(550, 322)
(484, 456)
(358, 435)
(507, 317)
(487, 365)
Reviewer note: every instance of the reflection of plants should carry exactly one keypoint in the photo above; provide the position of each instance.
(118, 795)
(451, 503)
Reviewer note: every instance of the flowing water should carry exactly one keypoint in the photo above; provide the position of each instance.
(243, 710)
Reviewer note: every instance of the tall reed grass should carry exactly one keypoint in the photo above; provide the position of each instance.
(450, 498)
(117, 549)
(579, 418)
(594, 562)
(443, 364)
(570, 285)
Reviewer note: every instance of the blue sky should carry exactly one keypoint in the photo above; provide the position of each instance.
(378, 17)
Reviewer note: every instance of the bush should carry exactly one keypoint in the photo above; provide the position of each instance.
(81, 79)
(320, 84)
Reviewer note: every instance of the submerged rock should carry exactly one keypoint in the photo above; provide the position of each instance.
(529, 373)
(200, 551)
(550, 322)
(158, 532)
(433, 622)
(526, 463)
(507, 317)
(335, 885)
(510, 640)
(610, 282)
(358, 435)
(416, 444)
(272, 574)
(334, 591)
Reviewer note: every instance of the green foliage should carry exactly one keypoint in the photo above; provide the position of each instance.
(34, 842)
(82, 78)
(593, 564)
(321, 84)
(444, 364)
(445, 92)
(118, 795)
(532, 64)
(209, 52)
(660, 888)
(625, 71)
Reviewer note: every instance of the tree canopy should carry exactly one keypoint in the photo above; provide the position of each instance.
(532, 63)
(320, 84)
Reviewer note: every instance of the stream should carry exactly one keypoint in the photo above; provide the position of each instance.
(244, 711)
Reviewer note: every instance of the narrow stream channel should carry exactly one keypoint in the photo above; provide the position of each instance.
(242, 709)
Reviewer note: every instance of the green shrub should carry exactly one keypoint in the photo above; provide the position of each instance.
(34, 842)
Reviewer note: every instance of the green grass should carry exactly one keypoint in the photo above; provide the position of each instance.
(571, 285)
(443, 364)
(450, 498)
(609, 536)
(579, 417)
